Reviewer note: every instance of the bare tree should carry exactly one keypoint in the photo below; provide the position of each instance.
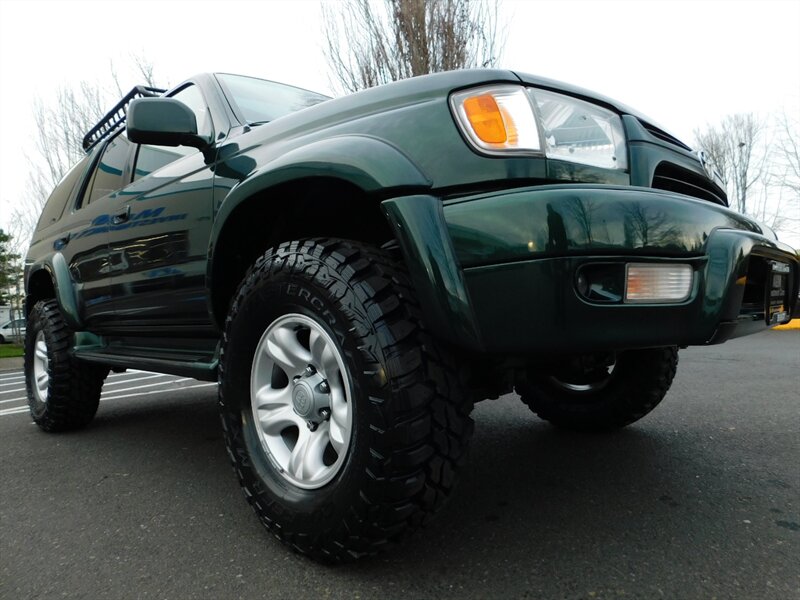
(759, 161)
(739, 152)
(789, 150)
(583, 213)
(787, 166)
(369, 42)
(60, 123)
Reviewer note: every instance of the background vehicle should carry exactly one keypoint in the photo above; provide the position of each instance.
(12, 331)
(358, 272)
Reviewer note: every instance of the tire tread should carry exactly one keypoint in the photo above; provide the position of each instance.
(419, 437)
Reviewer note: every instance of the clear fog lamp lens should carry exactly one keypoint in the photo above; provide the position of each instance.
(657, 283)
(581, 132)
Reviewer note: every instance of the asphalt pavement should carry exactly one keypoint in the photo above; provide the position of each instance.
(701, 499)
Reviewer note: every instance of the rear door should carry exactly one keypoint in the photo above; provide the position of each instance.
(74, 225)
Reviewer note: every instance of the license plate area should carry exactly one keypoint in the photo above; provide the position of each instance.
(776, 293)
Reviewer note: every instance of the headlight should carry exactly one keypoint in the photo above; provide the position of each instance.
(512, 119)
(581, 132)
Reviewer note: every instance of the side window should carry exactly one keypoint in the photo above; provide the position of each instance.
(152, 158)
(54, 207)
(109, 175)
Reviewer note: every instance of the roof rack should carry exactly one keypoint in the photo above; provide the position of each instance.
(114, 119)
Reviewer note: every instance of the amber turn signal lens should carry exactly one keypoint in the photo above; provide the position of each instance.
(497, 119)
(486, 119)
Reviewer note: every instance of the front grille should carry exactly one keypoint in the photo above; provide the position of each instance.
(663, 135)
(672, 178)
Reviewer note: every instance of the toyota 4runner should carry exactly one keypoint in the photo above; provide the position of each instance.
(357, 272)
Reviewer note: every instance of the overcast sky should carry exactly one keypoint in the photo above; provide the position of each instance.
(683, 63)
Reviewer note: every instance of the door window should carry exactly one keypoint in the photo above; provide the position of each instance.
(109, 176)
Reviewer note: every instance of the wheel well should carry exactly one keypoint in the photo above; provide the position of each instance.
(40, 287)
(317, 207)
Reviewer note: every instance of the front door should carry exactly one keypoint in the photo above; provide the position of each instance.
(158, 249)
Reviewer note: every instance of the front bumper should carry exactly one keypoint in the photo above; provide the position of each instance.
(499, 272)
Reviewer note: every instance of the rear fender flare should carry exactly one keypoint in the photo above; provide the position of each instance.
(58, 271)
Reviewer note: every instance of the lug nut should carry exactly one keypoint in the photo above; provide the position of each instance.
(325, 413)
(312, 426)
(310, 370)
(324, 387)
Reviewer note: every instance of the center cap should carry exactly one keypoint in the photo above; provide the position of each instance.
(303, 399)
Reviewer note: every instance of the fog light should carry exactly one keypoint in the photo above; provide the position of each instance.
(646, 282)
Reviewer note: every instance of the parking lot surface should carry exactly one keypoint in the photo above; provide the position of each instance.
(701, 499)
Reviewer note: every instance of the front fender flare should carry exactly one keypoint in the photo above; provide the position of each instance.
(369, 163)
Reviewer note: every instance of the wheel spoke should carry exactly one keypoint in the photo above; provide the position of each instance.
(317, 345)
(337, 436)
(274, 421)
(269, 397)
(42, 381)
(285, 349)
(41, 351)
(339, 407)
(328, 363)
(306, 459)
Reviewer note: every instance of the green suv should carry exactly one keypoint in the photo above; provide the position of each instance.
(357, 272)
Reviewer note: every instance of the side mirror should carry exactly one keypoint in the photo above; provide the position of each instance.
(163, 122)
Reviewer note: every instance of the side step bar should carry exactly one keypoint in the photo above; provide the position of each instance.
(199, 367)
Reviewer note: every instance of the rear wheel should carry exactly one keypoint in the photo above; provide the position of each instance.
(345, 422)
(63, 393)
(607, 397)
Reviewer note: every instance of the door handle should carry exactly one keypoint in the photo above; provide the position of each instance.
(123, 216)
(62, 241)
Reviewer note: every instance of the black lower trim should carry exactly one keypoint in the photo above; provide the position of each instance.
(203, 368)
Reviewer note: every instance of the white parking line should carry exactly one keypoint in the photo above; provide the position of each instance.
(25, 398)
(180, 389)
(105, 385)
(18, 410)
(132, 379)
(13, 391)
(149, 385)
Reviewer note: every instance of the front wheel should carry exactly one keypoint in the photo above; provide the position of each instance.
(345, 422)
(609, 397)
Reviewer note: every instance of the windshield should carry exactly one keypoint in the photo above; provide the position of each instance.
(261, 101)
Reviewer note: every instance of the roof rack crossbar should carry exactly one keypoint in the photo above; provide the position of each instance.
(114, 119)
